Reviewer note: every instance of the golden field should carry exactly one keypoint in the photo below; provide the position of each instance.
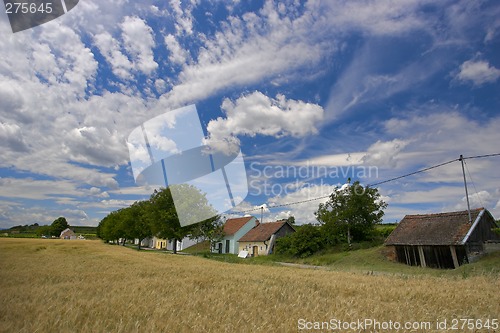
(88, 286)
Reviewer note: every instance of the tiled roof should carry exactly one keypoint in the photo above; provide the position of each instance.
(262, 232)
(433, 229)
(233, 225)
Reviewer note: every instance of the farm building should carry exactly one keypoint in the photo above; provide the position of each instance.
(261, 239)
(67, 234)
(234, 229)
(160, 243)
(444, 240)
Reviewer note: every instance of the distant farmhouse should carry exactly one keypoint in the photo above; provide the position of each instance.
(445, 240)
(261, 239)
(67, 234)
(161, 243)
(234, 229)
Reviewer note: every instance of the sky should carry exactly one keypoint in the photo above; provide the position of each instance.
(311, 92)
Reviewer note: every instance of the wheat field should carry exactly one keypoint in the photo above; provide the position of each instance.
(88, 286)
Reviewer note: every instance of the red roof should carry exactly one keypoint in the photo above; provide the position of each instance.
(233, 225)
(262, 232)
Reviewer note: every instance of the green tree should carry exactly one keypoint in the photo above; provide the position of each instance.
(191, 203)
(58, 226)
(110, 228)
(351, 213)
(211, 230)
(141, 218)
(307, 240)
(291, 220)
(165, 223)
(44, 230)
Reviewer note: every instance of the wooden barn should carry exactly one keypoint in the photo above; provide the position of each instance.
(445, 240)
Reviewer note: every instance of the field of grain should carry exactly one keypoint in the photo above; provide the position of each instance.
(88, 286)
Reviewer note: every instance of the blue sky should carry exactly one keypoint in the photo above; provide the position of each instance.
(312, 92)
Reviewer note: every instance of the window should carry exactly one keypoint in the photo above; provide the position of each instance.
(227, 245)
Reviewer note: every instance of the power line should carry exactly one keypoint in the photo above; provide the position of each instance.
(474, 185)
(374, 184)
(481, 156)
(413, 173)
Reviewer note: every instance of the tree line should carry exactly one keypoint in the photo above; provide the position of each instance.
(350, 214)
(157, 216)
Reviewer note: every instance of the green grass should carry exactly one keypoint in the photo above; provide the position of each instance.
(200, 248)
(369, 260)
(19, 235)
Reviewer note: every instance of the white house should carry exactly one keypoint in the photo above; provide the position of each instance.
(234, 229)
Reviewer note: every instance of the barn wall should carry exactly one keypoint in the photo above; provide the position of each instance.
(482, 232)
(390, 253)
(436, 256)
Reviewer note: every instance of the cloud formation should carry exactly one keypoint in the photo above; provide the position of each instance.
(255, 114)
(478, 72)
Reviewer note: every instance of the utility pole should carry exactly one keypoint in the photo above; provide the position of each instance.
(261, 213)
(461, 159)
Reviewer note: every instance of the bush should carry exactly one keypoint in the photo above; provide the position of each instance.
(306, 241)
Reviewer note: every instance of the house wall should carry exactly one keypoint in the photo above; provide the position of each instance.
(284, 230)
(159, 243)
(248, 246)
(182, 244)
(233, 239)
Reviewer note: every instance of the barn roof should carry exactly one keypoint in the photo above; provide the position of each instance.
(233, 225)
(67, 230)
(434, 229)
(262, 232)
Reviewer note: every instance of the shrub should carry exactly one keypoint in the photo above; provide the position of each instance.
(306, 241)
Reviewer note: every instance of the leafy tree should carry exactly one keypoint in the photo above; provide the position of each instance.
(58, 226)
(159, 216)
(351, 213)
(211, 230)
(191, 203)
(291, 220)
(165, 223)
(141, 218)
(109, 229)
(44, 230)
(307, 240)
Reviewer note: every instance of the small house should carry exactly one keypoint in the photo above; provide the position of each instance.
(67, 234)
(234, 229)
(444, 240)
(261, 239)
(160, 243)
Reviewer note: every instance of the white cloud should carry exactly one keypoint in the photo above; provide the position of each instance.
(303, 212)
(345, 159)
(477, 200)
(139, 42)
(384, 153)
(183, 17)
(11, 137)
(258, 114)
(28, 188)
(134, 53)
(478, 72)
(178, 55)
